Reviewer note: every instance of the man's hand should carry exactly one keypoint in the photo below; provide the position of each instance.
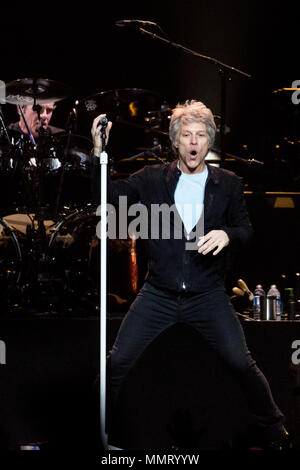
(96, 134)
(214, 239)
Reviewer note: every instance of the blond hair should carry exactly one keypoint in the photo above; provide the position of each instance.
(191, 111)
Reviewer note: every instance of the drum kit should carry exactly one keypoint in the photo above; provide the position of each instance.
(47, 216)
(48, 244)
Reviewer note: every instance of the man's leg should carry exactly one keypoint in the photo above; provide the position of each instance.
(152, 312)
(213, 316)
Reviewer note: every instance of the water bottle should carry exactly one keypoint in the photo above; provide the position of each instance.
(273, 307)
(259, 301)
(291, 304)
(297, 286)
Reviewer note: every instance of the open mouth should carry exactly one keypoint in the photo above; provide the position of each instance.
(193, 153)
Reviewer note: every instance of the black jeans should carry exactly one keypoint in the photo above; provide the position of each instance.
(212, 314)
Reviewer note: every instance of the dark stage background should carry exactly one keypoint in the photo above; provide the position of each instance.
(80, 46)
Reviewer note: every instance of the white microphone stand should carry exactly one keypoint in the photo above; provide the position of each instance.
(103, 286)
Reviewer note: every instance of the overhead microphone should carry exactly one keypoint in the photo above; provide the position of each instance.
(123, 23)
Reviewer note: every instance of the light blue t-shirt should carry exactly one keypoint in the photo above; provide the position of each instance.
(189, 198)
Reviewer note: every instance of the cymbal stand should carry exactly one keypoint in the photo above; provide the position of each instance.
(4, 127)
(248, 161)
(32, 139)
(38, 238)
(71, 123)
(224, 72)
(152, 152)
(103, 282)
(40, 216)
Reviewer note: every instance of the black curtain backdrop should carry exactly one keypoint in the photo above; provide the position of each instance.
(81, 46)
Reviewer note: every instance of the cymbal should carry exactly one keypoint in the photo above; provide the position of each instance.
(34, 91)
(125, 104)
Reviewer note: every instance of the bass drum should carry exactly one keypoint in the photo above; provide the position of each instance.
(74, 250)
(24, 268)
(10, 266)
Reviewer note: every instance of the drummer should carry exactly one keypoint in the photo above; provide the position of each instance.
(32, 118)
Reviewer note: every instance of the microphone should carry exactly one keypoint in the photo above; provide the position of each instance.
(245, 289)
(123, 23)
(103, 122)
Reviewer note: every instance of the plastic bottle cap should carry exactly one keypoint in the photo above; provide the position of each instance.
(290, 291)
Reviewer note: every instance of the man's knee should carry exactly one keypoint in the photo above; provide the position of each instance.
(242, 364)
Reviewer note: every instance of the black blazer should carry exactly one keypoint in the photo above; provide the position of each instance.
(173, 260)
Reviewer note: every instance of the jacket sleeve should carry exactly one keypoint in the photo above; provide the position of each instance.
(238, 227)
(129, 187)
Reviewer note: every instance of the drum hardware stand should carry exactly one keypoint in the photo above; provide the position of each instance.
(147, 152)
(40, 211)
(37, 258)
(103, 282)
(248, 161)
(70, 126)
(31, 137)
(150, 130)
